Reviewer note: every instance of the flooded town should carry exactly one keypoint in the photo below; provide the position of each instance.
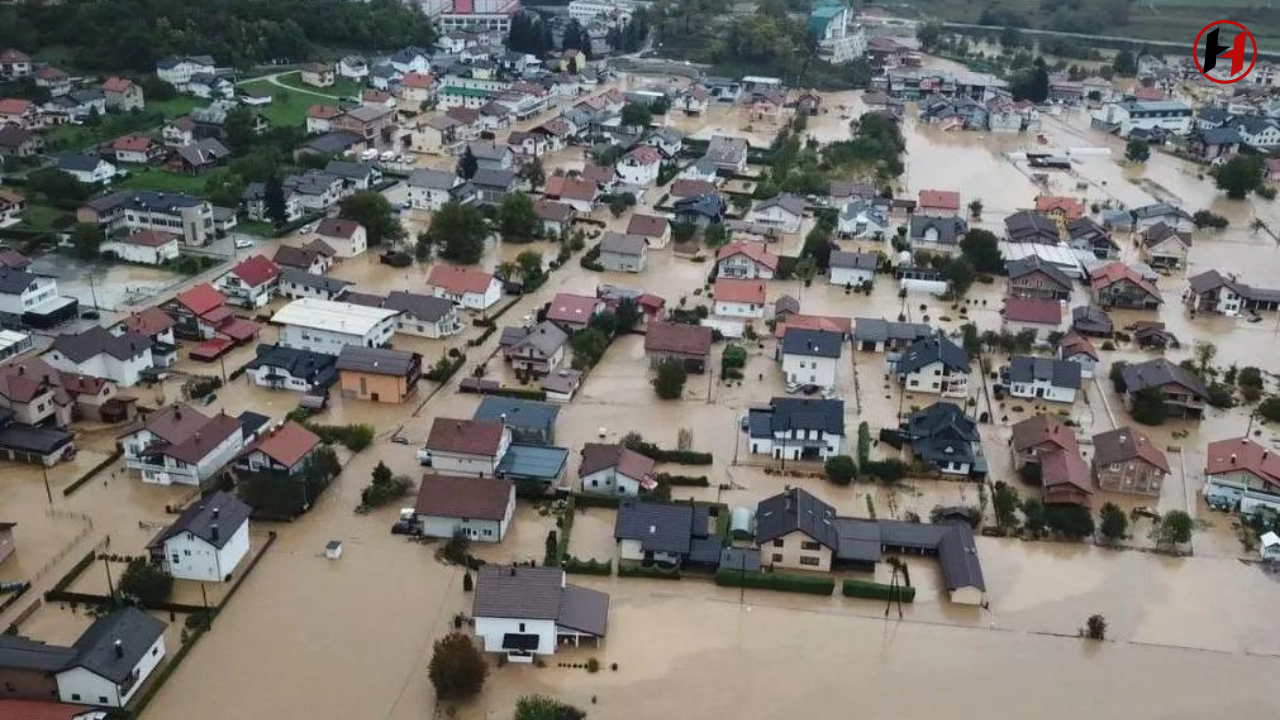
(508, 366)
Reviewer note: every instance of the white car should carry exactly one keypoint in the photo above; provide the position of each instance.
(243, 243)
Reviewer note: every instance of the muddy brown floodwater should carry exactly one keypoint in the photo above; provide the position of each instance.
(334, 640)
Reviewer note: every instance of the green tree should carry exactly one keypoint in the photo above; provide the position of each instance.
(146, 582)
(841, 469)
(669, 380)
(588, 347)
(238, 129)
(422, 247)
(1032, 83)
(1114, 522)
(533, 173)
(458, 232)
(1010, 38)
(1070, 521)
(1149, 406)
(959, 273)
(517, 223)
(683, 232)
(1205, 352)
(62, 188)
(1239, 176)
(636, 115)
(457, 669)
(982, 249)
(1125, 64)
(929, 33)
(1174, 529)
(1117, 377)
(627, 315)
(274, 201)
(975, 212)
(715, 235)
(529, 264)
(541, 707)
(1137, 151)
(1034, 519)
(468, 164)
(1269, 409)
(86, 238)
(620, 203)
(372, 210)
(1005, 503)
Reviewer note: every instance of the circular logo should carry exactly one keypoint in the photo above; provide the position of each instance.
(1213, 55)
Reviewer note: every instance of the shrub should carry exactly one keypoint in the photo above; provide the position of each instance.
(864, 444)
(593, 665)
(633, 441)
(354, 437)
(445, 368)
(384, 490)
(887, 471)
(735, 356)
(841, 469)
(684, 480)
(1096, 628)
(669, 381)
(590, 566)
(1270, 409)
(468, 584)
(457, 669)
(541, 707)
(877, 591)
(640, 571)
(146, 582)
(776, 581)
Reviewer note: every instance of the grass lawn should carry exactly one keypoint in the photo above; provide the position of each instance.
(342, 88)
(41, 217)
(287, 107)
(177, 107)
(258, 229)
(150, 178)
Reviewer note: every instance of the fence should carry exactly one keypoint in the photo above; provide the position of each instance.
(52, 562)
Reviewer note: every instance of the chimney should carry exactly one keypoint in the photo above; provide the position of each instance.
(1233, 458)
(513, 571)
(22, 369)
(215, 513)
(119, 646)
(213, 529)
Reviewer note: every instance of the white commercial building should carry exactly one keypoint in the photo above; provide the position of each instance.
(326, 326)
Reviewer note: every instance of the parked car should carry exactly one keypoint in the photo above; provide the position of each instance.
(243, 243)
(406, 527)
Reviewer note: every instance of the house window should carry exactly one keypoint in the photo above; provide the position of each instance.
(778, 542)
(521, 627)
(155, 651)
(102, 699)
(176, 558)
(810, 561)
(809, 545)
(75, 696)
(777, 557)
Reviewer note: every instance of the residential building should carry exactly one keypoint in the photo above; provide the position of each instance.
(620, 252)
(738, 298)
(133, 210)
(944, 438)
(283, 450)
(378, 374)
(836, 32)
(530, 422)
(556, 217)
(1242, 475)
(1033, 277)
(198, 312)
(1117, 285)
(579, 193)
(369, 122)
(251, 283)
(15, 142)
(36, 394)
(320, 118)
(561, 385)
(666, 534)
(701, 210)
(1213, 292)
(1091, 321)
(748, 260)
(466, 447)
(690, 344)
(423, 315)
(729, 154)
(880, 335)
(318, 75)
(784, 212)
(853, 269)
(430, 189)
(96, 352)
(315, 257)
(481, 508)
(1039, 315)
(1076, 348)
(135, 149)
(615, 470)
(1165, 247)
(1087, 234)
(14, 343)
(1184, 393)
(1032, 227)
(14, 64)
(284, 368)
(122, 94)
(1125, 460)
(934, 365)
(938, 203)
(524, 612)
(573, 312)
(208, 541)
(797, 428)
(538, 350)
(1162, 213)
(178, 71)
(18, 112)
(470, 289)
(296, 284)
(88, 169)
(1043, 378)
(937, 233)
(112, 659)
(861, 218)
(1128, 115)
(810, 357)
(177, 444)
(328, 326)
(144, 247)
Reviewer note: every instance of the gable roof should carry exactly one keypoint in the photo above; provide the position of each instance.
(546, 337)
(623, 244)
(1127, 443)
(1027, 226)
(201, 299)
(788, 413)
(567, 307)
(377, 361)
(338, 228)
(20, 652)
(1115, 272)
(660, 527)
(256, 270)
(793, 204)
(756, 252)
(428, 308)
(220, 515)
(812, 343)
(1075, 344)
(459, 280)
(1158, 373)
(97, 651)
(1024, 266)
(482, 498)
(1241, 453)
(97, 341)
(1042, 430)
(796, 511)
(739, 291)
(517, 413)
(1058, 373)
(854, 260)
(927, 351)
(679, 338)
(1033, 310)
(287, 444)
(467, 437)
(649, 226)
(149, 322)
(1070, 207)
(940, 199)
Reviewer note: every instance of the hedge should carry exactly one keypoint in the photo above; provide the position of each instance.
(476, 342)
(680, 457)
(445, 369)
(776, 581)
(604, 501)
(519, 393)
(74, 572)
(591, 259)
(877, 591)
(684, 480)
(639, 571)
(590, 566)
(92, 473)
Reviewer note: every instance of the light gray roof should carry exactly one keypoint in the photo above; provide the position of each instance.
(545, 337)
(793, 204)
(1059, 373)
(854, 260)
(381, 361)
(311, 280)
(488, 150)
(726, 150)
(880, 330)
(422, 307)
(623, 244)
(433, 179)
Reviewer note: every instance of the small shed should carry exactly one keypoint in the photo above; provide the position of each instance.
(740, 523)
(740, 559)
(333, 550)
(1269, 546)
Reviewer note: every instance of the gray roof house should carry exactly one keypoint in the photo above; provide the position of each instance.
(295, 283)
(214, 519)
(728, 153)
(1184, 393)
(879, 334)
(925, 352)
(620, 252)
(1033, 227)
(1033, 277)
(670, 534)
(945, 438)
(1092, 321)
(1062, 375)
(811, 343)
(538, 601)
(942, 233)
(538, 349)
(530, 422)
(116, 644)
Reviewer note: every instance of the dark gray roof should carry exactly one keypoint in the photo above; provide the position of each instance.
(21, 653)
(584, 610)
(317, 368)
(710, 205)
(493, 178)
(350, 170)
(363, 298)
(942, 433)
(880, 330)
(949, 228)
(518, 413)
(97, 340)
(1221, 136)
(1157, 373)
(1156, 210)
(787, 413)
(741, 559)
(546, 337)
(136, 632)
(222, 511)
(1091, 319)
(854, 260)
(28, 438)
(544, 463)
(660, 527)
(796, 510)
(538, 593)
(81, 163)
(812, 343)
(1032, 263)
(312, 280)
(930, 350)
(332, 142)
(428, 308)
(381, 361)
(434, 179)
(1059, 373)
(793, 204)
(1027, 226)
(13, 282)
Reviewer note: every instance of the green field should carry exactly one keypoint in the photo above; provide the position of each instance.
(177, 107)
(287, 106)
(341, 89)
(41, 217)
(150, 178)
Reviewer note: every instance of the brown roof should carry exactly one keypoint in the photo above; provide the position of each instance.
(568, 307)
(1243, 454)
(563, 186)
(200, 443)
(1065, 478)
(463, 497)
(757, 252)
(1074, 344)
(117, 84)
(418, 81)
(1126, 443)
(647, 225)
(337, 227)
(24, 380)
(1070, 207)
(684, 187)
(940, 199)
(599, 174)
(1034, 310)
(287, 444)
(1043, 430)
(842, 325)
(1112, 273)
(151, 238)
(552, 210)
(40, 709)
(678, 338)
(174, 423)
(131, 143)
(149, 322)
(738, 290)
(468, 437)
(597, 457)
(459, 280)
(323, 112)
(201, 299)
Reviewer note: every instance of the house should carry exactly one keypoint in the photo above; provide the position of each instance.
(1043, 378)
(199, 156)
(1065, 479)
(295, 284)
(1184, 393)
(481, 508)
(348, 238)
(615, 470)
(1126, 460)
(14, 64)
(1031, 227)
(667, 140)
(797, 428)
(96, 352)
(34, 393)
(178, 444)
(471, 289)
(32, 300)
(810, 357)
(880, 335)
(665, 534)
(1128, 116)
(251, 283)
(561, 385)
(693, 100)
(1211, 291)
(333, 142)
(1242, 475)
(640, 166)
(1162, 213)
(328, 326)
(209, 539)
(523, 612)
(578, 193)
(112, 659)
(937, 233)
(429, 189)
(320, 118)
(1214, 145)
(853, 269)
(747, 260)
(284, 368)
(555, 217)
(538, 350)
(15, 142)
(178, 71)
(785, 212)
(149, 210)
(88, 169)
(466, 447)
(122, 94)
(18, 112)
(1165, 247)
(1042, 316)
(367, 122)
(573, 312)
(178, 132)
(315, 257)
(1091, 322)
(198, 312)
(491, 156)
(423, 315)
(1076, 348)
(700, 210)
(1117, 285)
(934, 365)
(355, 176)
(691, 344)
(530, 422)
(691, 188)
(729, 154)
(1037, 437)
(620, 252)
(944, 438)
(316, 191)
(486, 187)
(863, 219)
(1086, 234)
(938, 203)
(135, 149)
(1035, 278)
(318, 75)
(283, 450)
(737, 299)
(145, 247)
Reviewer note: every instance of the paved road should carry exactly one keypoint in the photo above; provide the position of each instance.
(274, 79)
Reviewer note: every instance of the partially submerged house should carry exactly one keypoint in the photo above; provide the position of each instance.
(1126, 460)
(207, 542)
(668, 535)
(523, 612)
(945, 439)
(934, 365)
(1185, 394)
(479, 507)
(797, 428)
(613, 469)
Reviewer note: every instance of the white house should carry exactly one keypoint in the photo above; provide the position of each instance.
(615, 470)
(479, 506)
(1044, 379)
(326, 326)
(784, 212)
(348, 238)
(523, 612)
(423, 315)
(747, 260)
(465, 447)
(810, 357)
(144, 247)
(852, 269)
(88, 169)
(429, 189)
(282, 368)
(1041, 315)
(1129, 115)
(113, 658)
(33, 299)
(98, 353)
(933, 365)
(862, 219)
(472, 289)
(251, 283)
(1080, 350)
(797, 428)
(179, 445)
(1242, 475)
(640, 166)
(208, 540)
(178, 71)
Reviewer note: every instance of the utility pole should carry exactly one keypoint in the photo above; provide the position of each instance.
(93, 293)
(44, 470)
(111, 589)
